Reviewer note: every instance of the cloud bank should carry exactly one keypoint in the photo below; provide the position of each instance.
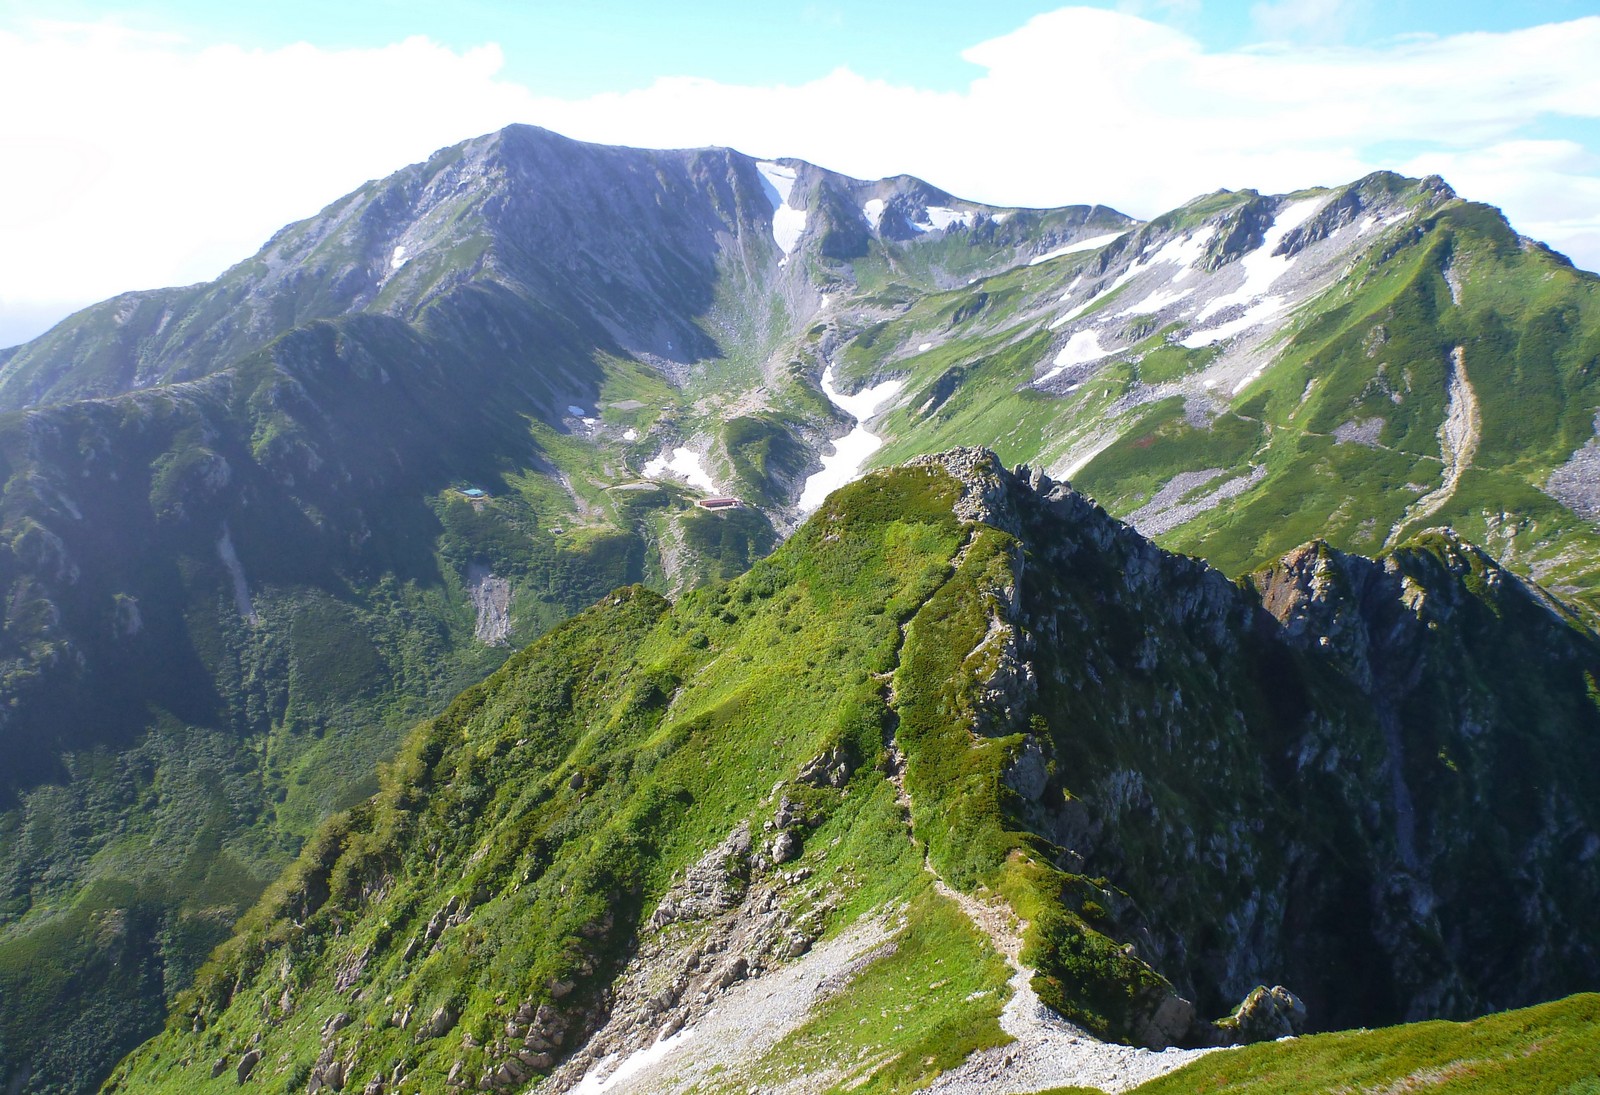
(146, 160)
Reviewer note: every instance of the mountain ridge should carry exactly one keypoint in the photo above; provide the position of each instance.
(981, 738)
(592, 338)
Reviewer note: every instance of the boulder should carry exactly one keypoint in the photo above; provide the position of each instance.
(785, 846)
(443, 1018)
(1268, 1014)
(1166, 1024)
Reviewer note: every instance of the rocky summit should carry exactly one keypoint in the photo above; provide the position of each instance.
(967, 785)
(253, 531)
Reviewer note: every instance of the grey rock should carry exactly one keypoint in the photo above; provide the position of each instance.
(1167, 1024)
(443, 1018)
(832, 768)
(785, 846)
(713, 885)
(1029, 772)
(1268, 1014)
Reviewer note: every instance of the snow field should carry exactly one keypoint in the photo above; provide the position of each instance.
(851, 451)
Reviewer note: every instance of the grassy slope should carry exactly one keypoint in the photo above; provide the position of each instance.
(556, 802)
(1373, 347)
(211, 749)
(1548, 1049)
(733, 689)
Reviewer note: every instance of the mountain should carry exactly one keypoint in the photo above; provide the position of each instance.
(239, 556)
(254, 530)
(1246, 373)
(963, 745)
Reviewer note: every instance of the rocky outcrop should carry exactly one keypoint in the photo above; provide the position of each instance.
(1267, 1015)
(491, 600)
(732, 917)
(714, 885)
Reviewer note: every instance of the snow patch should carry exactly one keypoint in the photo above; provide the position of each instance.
(787, 223)
(1126, 276)
(636, 1062)
(924, 347)
(630, 434)
(1172, 251)
(576, 411)
(1258, 313)
(1261, 267)
(1080, 349)
(1092, 244)
(940, 218)
(872, 209)
(682, 463)
(398, 258)
(1185, 251)
(851, 451)
(1156, 301)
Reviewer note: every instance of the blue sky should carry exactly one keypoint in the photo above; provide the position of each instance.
(568, 50)
(164, 140)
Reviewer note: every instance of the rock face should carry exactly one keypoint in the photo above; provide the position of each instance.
(713, 885)
(1410, 641)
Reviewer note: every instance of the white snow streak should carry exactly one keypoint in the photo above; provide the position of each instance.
(940, 218)
(787, 223)
(636, 1062)
(1093, 244)
(683, 463)
(1260, 312)
(873, 210)
(851, 451)
(1261, 267)
(1184, 250)
(1156, 301)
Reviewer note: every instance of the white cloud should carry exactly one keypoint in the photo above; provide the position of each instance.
(141, 160)
(1085, 105)
(150, 160)
(1324, 20)
(1549, 189)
